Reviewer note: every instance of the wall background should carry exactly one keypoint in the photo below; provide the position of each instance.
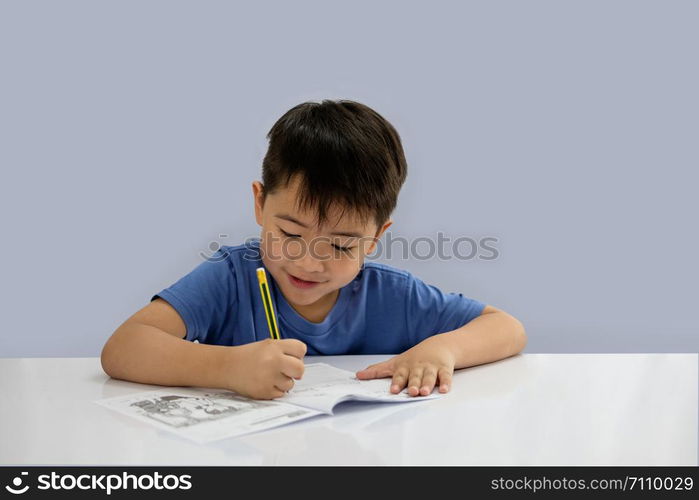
(131, 133)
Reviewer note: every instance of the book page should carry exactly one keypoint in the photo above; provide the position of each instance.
(204, 415)
(323, 386)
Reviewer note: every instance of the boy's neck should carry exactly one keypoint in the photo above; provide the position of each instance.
(317, 312)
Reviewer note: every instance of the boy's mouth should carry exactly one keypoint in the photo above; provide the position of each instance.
(301, 283)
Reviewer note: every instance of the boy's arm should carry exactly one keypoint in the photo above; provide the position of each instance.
(491, 336)
(149, 355)
(149, 348)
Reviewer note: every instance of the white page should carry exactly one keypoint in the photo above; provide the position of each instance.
(204, 415)
(323, 386)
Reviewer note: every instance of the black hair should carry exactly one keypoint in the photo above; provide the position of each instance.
(346, 153)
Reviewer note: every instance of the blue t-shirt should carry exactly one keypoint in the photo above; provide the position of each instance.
(384, 310)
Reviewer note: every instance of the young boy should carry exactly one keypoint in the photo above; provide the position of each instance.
(331, 178)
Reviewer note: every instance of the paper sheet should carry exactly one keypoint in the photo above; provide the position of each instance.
(323, 386)
(205, 415)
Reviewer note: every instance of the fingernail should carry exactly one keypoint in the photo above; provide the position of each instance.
(394, 387)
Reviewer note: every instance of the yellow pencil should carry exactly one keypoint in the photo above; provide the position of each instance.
(267, 301)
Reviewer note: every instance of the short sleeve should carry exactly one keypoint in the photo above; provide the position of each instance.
(204, 298)
(430, 311)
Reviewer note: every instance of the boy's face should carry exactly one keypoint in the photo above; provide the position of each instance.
(302, 250)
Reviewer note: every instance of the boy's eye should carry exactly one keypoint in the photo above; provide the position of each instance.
(289, 235)
(337, 247)
(343, 249)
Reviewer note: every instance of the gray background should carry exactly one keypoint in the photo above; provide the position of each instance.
(132, 131)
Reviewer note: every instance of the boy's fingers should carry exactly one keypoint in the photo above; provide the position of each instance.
(277, 393)
(284, 383)
(377, 370)
(428, 380)
(415, 379)
(293, 347)
(399, 379)
(292, 367)
(444, 380)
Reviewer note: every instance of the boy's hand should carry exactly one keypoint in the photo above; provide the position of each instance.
(420, 368)
(265, 369)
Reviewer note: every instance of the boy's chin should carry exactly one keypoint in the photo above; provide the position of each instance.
(303, 299)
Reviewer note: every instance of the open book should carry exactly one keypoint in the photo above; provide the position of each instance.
(205, 415)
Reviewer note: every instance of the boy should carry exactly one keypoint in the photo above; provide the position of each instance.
(331, 178)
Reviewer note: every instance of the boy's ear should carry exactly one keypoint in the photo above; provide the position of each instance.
(259, 200)
(383, 228)
(379, 232)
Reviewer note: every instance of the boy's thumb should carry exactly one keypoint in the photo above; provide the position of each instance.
(378, 370)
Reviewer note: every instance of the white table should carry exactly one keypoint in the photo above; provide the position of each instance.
(531, 409)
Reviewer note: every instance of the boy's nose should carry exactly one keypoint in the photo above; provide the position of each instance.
(308, 264)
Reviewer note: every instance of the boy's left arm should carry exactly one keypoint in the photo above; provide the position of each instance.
(491, 336)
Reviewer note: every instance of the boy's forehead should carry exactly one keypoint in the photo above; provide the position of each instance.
(331, 224)
(337, 219)
(336, 222)
(286, 206)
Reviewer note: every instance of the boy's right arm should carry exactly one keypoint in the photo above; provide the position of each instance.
(149, 348)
